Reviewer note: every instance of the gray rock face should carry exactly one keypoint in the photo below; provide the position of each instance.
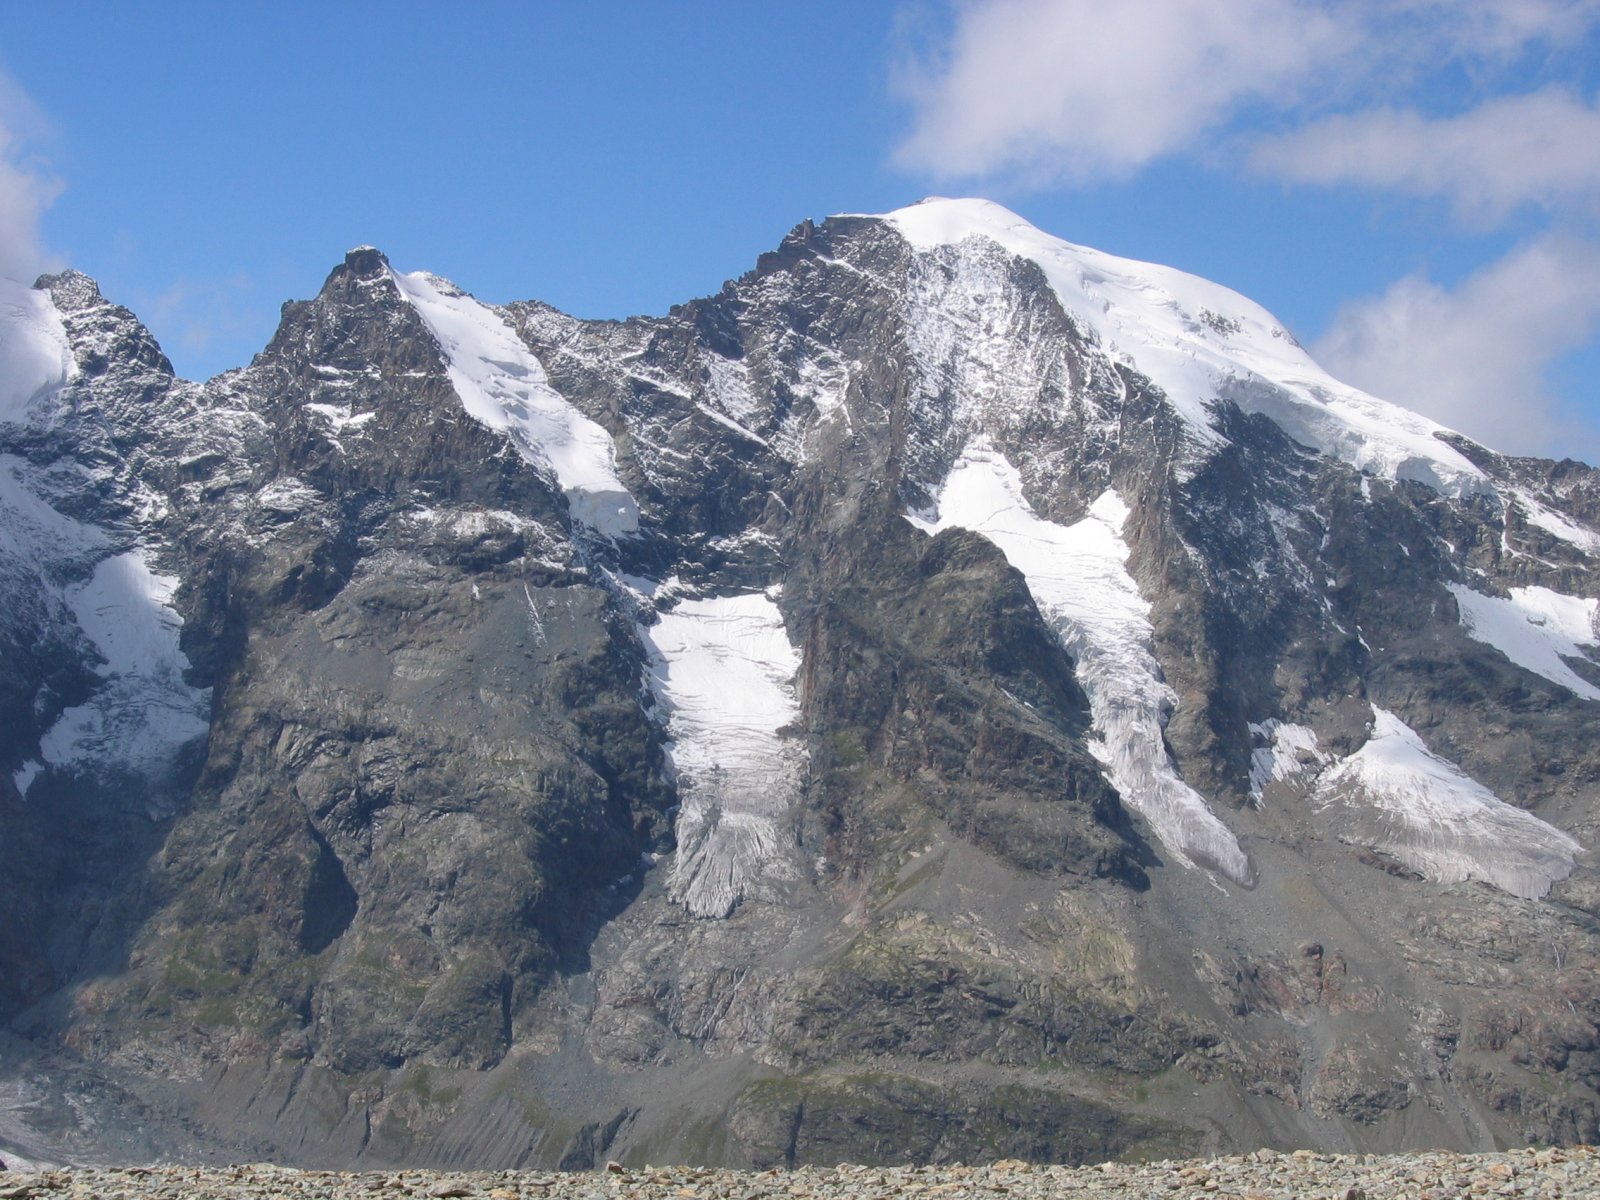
(948, 689)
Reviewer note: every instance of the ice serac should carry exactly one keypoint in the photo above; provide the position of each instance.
(502, 384)
(1079, 578)
(1398, 796)
(722, 671)
(1201, 342)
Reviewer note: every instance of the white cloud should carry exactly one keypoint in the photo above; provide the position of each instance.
(1474, 358)
(1542, 148)
(27, 187)
(1078, 89)
(1081, 90)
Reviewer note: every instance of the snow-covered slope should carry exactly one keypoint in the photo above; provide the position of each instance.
(1079, 578)
(1402, 798)
(34, 354)
(503, 385)
(145, 713)
(1199, 341)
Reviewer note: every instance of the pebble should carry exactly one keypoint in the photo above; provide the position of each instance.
(1545, 1174)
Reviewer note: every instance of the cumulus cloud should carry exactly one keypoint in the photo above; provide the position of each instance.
(1080, 89)
(1474, 357)
(1542, 149)
(27, 187)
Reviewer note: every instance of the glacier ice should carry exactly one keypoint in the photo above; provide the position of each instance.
(722, 671)
(1079, 578)
(1286, 751)
(1397, 796)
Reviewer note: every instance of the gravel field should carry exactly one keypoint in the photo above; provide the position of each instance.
(1266, 1175)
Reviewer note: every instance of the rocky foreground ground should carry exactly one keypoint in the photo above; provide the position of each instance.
(1264, 1174)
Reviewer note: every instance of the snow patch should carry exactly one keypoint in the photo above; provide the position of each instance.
(1079, 578)
(1399, 797)
(1285, 751)
(1535, 628)
(24, 776)
(503, 385)
(144, 712)
(722, 672)
(339, 416)
(1199, 341)
(35, 356)
(1555, 524)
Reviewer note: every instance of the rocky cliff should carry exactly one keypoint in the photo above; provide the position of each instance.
(952, 694)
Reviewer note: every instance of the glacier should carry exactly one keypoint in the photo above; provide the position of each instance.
(1397, 796)
(1283, 751)
(722, 673)
(1536, 628)
(1199, 342)
(1079, 578)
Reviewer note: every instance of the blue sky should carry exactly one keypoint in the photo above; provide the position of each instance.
(1412, 186)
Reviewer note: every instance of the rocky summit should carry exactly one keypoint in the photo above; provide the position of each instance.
(953, 695)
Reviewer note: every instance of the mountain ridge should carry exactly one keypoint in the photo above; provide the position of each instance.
(761, 732)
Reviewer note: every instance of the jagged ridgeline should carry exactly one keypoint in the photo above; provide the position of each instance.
(953, 694)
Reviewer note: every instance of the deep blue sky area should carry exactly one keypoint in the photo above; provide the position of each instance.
(209, 162)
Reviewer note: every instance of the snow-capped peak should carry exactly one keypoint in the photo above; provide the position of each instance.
(1199, 342)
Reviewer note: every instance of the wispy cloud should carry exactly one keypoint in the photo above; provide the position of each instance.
(27, 185)
(194, 314)
(1049, 91)
(1474, 357)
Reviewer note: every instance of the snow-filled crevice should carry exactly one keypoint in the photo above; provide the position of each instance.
(722, 672)
(1536, 628)
(503, 385)
(1397, 796)
(1079, 578)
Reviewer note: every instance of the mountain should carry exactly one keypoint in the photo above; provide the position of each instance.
(953, 694)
